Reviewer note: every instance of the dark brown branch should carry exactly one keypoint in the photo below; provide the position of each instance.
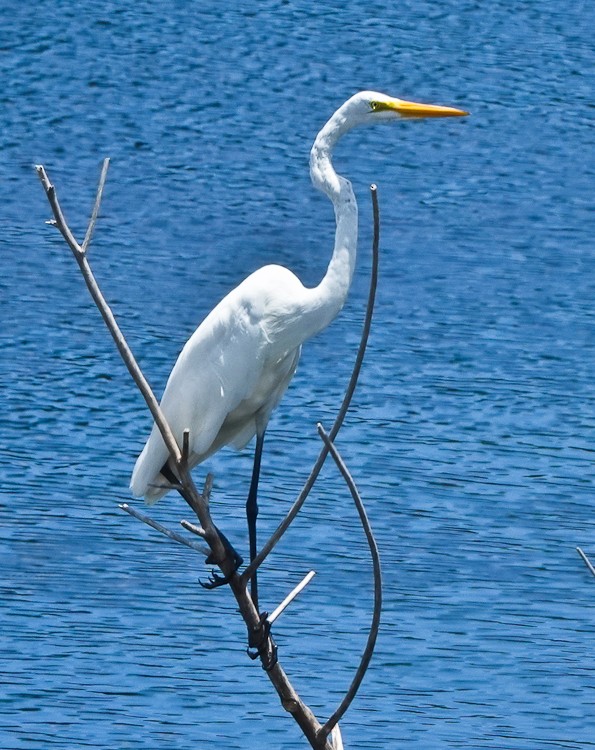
(296, 507)
(185, 446)
(373, 635)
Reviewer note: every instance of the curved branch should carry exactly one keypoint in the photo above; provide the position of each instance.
(371, 642)
(301, 499)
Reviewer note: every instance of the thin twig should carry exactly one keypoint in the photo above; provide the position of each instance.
(371, 642)
(168, 532)
(97, 204)
(301, 499)
(586, 560)
(192, 527)
(207, 488)
(290, 597)
(59, 220)
(185, 445)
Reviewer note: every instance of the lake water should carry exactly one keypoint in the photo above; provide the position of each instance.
(471, 433)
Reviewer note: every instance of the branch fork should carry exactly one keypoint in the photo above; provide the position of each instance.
(325, 736)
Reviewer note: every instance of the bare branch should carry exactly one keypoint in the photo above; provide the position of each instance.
(185, 445)
(371, 642)
(95, 212)
(198, 530)
(290, 597)
(188, 489)
(59, 220)
(168, 532)
(207, 489)
(586, 560)
(296, 507)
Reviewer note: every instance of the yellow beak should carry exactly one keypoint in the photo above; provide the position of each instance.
(413, 109)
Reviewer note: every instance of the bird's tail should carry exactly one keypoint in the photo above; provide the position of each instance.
(146, 480)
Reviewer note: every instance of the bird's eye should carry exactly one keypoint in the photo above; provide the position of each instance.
(374, 106)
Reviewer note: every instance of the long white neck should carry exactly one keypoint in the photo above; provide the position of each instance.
(332, 291)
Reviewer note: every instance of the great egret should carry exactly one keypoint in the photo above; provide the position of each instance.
(236, 366)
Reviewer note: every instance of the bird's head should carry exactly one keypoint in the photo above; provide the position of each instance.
(364, 108)
(368, 107)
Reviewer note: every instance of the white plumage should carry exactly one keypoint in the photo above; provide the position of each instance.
(235, 368)
(230, 375)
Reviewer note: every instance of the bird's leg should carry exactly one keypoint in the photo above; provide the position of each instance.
(252, 511)
(168, 474)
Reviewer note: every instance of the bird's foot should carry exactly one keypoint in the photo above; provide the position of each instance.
(230, 551)
(260, 643)
(215, 580)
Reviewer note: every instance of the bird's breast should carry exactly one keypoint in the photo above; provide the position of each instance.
(253, 411)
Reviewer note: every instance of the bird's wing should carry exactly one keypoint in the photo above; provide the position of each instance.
(229, 374)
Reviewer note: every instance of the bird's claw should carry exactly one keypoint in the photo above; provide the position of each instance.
(259, 638)
(215, 580)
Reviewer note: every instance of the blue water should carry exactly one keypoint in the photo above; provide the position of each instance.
(471, 434)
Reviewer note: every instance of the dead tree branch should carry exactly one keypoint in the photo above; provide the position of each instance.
(374, 627)
(80, 254)
(290, 597)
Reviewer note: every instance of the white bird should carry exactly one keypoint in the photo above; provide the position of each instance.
(236, 366)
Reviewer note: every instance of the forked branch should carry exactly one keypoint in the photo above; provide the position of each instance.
(79, 251)
(80, 254)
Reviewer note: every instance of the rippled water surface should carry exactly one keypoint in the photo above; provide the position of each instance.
(471, 434)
